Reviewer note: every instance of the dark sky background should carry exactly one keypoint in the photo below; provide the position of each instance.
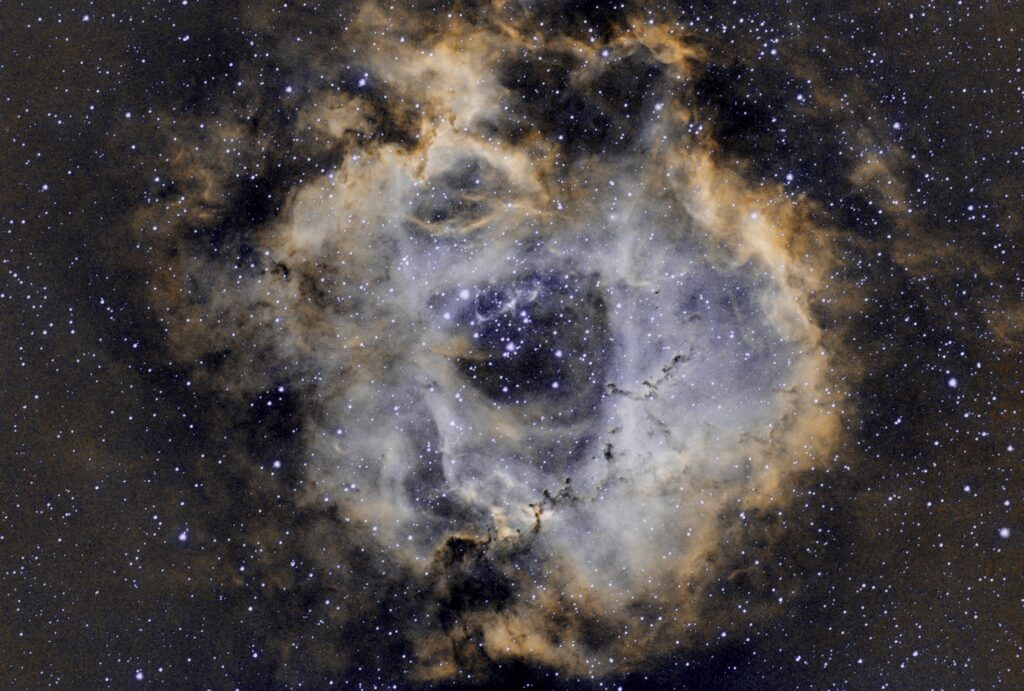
(108, 460)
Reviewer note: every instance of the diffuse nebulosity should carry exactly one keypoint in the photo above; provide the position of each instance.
(550, 364)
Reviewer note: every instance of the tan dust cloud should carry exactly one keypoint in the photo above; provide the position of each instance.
(714, 390)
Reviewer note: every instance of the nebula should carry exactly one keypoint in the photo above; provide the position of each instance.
(544, 364)
(533, 344)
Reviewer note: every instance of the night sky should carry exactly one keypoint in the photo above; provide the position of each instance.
(523, 343)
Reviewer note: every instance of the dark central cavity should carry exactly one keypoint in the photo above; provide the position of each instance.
(539, 337)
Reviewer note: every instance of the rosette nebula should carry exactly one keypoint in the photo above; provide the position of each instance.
(527, 343)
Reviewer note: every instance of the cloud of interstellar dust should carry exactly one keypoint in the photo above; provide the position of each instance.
(554, 360)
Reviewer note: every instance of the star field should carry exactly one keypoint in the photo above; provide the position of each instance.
(515, 344)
